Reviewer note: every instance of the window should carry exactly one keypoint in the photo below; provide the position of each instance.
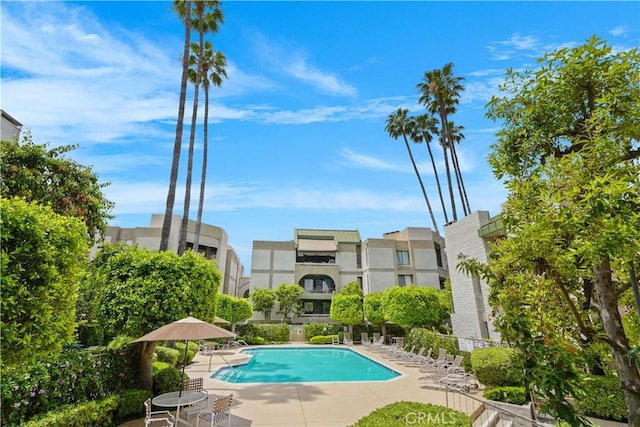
(402, 257)
(315, 307)
(358, 256)
(438, 255)
(405, 279)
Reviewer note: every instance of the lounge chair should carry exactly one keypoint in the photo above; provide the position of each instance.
(335, 340)
(364, 339)
(219, 411)
(346, 339)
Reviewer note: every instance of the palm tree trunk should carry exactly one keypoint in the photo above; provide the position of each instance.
(444, 141)
(203, 177)
(461, 189)
(177, 145)
(182, 245)
(424, 192)
(435, 173)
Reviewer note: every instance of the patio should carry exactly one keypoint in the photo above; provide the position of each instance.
(312, 404)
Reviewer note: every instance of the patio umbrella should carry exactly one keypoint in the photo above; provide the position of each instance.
(222, 321)
(186, 329)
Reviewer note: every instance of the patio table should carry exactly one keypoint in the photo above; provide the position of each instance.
(176, 399)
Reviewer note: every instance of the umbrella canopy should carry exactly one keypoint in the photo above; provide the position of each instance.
(222, 321)
(188, 328)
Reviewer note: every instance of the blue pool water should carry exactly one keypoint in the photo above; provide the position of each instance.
(305, 364)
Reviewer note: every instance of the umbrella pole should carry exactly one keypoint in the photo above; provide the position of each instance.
(184, 364)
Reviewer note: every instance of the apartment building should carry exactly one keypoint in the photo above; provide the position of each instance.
(213, 244)
(471, 316)
(10, 127)
(323, 261)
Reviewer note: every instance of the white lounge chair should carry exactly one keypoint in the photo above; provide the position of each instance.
(219, 411)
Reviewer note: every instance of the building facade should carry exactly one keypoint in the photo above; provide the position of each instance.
(322, 262)
(471, 316)
(213, 244)
(10, 127)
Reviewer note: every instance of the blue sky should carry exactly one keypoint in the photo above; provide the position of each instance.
(296, 135)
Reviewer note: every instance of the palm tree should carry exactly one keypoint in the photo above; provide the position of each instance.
(216, 63)
(440, 95)
(179, 5)
(424, 127)
(455, 136)
(398, 124)
(205, 23)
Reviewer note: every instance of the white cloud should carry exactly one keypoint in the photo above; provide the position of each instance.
(515, 46)
(369, 162)
(619, 31)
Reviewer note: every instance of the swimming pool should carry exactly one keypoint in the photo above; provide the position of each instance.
(305, 364)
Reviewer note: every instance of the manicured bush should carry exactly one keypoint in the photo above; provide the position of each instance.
(191, 352)
(508, 394)
(321, 339)
(158, 366)
(603, 398)
(251, 340)
(497, 366)
(131, 405)
(120, 342)
(314, 329)
(270, 333)
(168, 380)
(414, 413)
(169, 355)
(97, 413)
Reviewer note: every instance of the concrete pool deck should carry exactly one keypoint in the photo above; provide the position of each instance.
(310, 404)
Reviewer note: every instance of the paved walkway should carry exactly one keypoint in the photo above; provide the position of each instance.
(313, 404)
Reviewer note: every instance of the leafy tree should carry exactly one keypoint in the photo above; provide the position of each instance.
(142, 290)
(288, 297)
(233, 309)
(440, 94)
(412, 305)
(374, 309)
(398, 124)
(42, 262)
(264, 299)
(568, 151)
(183, 8)
(213, 70)
(346, 306)
(43, 175)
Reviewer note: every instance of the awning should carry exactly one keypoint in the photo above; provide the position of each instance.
(308, 245)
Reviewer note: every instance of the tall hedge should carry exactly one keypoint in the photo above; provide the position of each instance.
(43, 255)
(497, 366)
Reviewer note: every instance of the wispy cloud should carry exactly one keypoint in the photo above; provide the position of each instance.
(619, 31)
(354, 159)
(293, 61)
(515, 46)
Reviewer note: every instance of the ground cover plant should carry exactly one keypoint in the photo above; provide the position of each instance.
(414, 413)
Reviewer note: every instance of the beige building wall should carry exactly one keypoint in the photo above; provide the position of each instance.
(211, 236)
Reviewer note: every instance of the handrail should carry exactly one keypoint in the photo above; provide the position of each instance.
(495, 407)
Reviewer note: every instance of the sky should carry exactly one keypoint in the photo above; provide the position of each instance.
(297, 131)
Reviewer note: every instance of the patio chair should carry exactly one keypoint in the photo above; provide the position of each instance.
(157, 418)
(335, 340)
(346, 339)
(195, 384)
(220, 411)
(364, 339)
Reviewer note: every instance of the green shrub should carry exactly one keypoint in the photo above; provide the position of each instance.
(191, 352)
(70, 377)
(97, 413)
(602, 398)
(168, 380)
(131, 405)
(270, 333)
(421, 337)
(158, 366)
(166, 354)
(255, 340)
(414, 413)
(90, 334)
(497, 366)
(321, 339)
(120, 342)
(508, 394)
(314, 329)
